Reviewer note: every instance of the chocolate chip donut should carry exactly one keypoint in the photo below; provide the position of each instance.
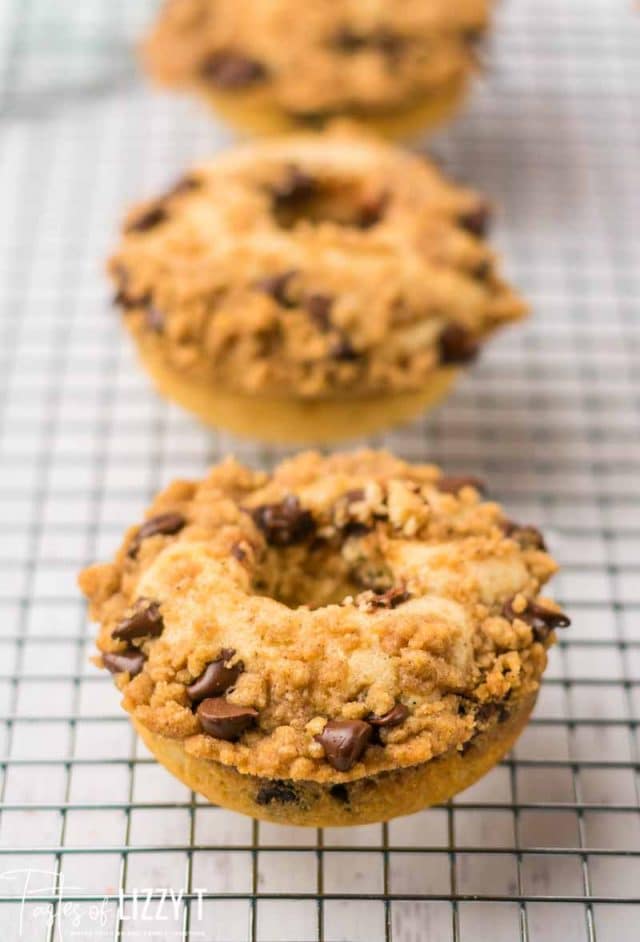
(311, 288)
(344, 640)
(266, 65)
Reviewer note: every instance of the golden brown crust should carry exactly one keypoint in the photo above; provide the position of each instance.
(317, 59)
(343, 586)
(255, 112)
(366, 800)
(312, 267)
(288, 420)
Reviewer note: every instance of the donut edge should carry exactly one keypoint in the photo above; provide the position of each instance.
(292, 421)
(258, 113)
(363, 801)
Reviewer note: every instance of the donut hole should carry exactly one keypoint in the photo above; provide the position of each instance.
(300, 198)
(316, 576)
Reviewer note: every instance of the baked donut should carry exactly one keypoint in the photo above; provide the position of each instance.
(272, 65)
(311, 288)
(347, 639)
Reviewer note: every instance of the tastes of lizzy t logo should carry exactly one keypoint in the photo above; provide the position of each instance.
(75, 913)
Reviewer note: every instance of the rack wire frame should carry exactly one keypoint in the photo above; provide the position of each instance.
(548, 845)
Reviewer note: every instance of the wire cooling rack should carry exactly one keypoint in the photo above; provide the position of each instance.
(546, 847)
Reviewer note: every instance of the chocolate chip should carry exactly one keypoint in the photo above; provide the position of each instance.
(277, 791)
(340, 793)
(294, 186)
(318, 306)
(473, 35)
(391, 598)
(154, 318)
(464, 706)
(390, 44)
(148, 219)
(314, 119)
(354, 528)
(276, 287)
(165, 524)
(144, 622)
(225, 720)
(123, 297)
(372, 210)
(297, 197)
(186, 184)
(491, 710)
(484, 712)
(238, 552)
(216, 678)
(396, 715)
(473, 39)
(344, 742)
(551, 618)
(343, 350)
(380, 40)
(457, 345)
(482, 270)
(535, 611)
(527, 536)
(131, 661)
(232, 70)
(284, 524)
(348, 41)
(157, 213)
(542, 620)
(476, 221)
(453, 484)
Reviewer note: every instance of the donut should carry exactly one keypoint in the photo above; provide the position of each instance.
(398, 67)
(310, 289)
(344, 640)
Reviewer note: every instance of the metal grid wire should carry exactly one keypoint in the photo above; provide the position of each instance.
(546, 847)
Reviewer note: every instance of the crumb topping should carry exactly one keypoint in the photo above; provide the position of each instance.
(314, 266)
(321, 58)
(340, 617)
